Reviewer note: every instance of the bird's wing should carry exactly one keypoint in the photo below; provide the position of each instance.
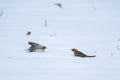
(34, 44)
(82, 53)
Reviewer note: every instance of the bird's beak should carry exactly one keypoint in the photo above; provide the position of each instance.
(71, 49)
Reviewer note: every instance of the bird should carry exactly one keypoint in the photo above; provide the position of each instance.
(35, 46)
(58, 4)
(78, 53)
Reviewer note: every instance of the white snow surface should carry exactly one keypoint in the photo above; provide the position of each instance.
(91, 26)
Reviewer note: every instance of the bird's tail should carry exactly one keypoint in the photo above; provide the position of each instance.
(91, 56)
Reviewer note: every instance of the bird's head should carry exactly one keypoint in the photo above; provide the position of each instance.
(44, 47)
(73, 49)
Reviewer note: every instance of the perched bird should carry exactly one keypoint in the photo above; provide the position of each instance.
(35, 46)
(58, 4)
(28, 33)
(80, 54)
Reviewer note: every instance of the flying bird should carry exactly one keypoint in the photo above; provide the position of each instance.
(81, 54)
(35, 46)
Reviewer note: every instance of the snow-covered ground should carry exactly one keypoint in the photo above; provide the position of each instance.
(91, 26)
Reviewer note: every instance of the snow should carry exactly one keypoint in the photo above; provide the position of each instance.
(91, 26)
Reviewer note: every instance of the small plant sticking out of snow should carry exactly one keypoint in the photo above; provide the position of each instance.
(53, 35)
(28, 33)
(118, 47)
(94, 8)
(45, 23)
(111, 54)
(1, 12)
(10, 57)
(118, 40)
(95, 51)
(58, 4)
